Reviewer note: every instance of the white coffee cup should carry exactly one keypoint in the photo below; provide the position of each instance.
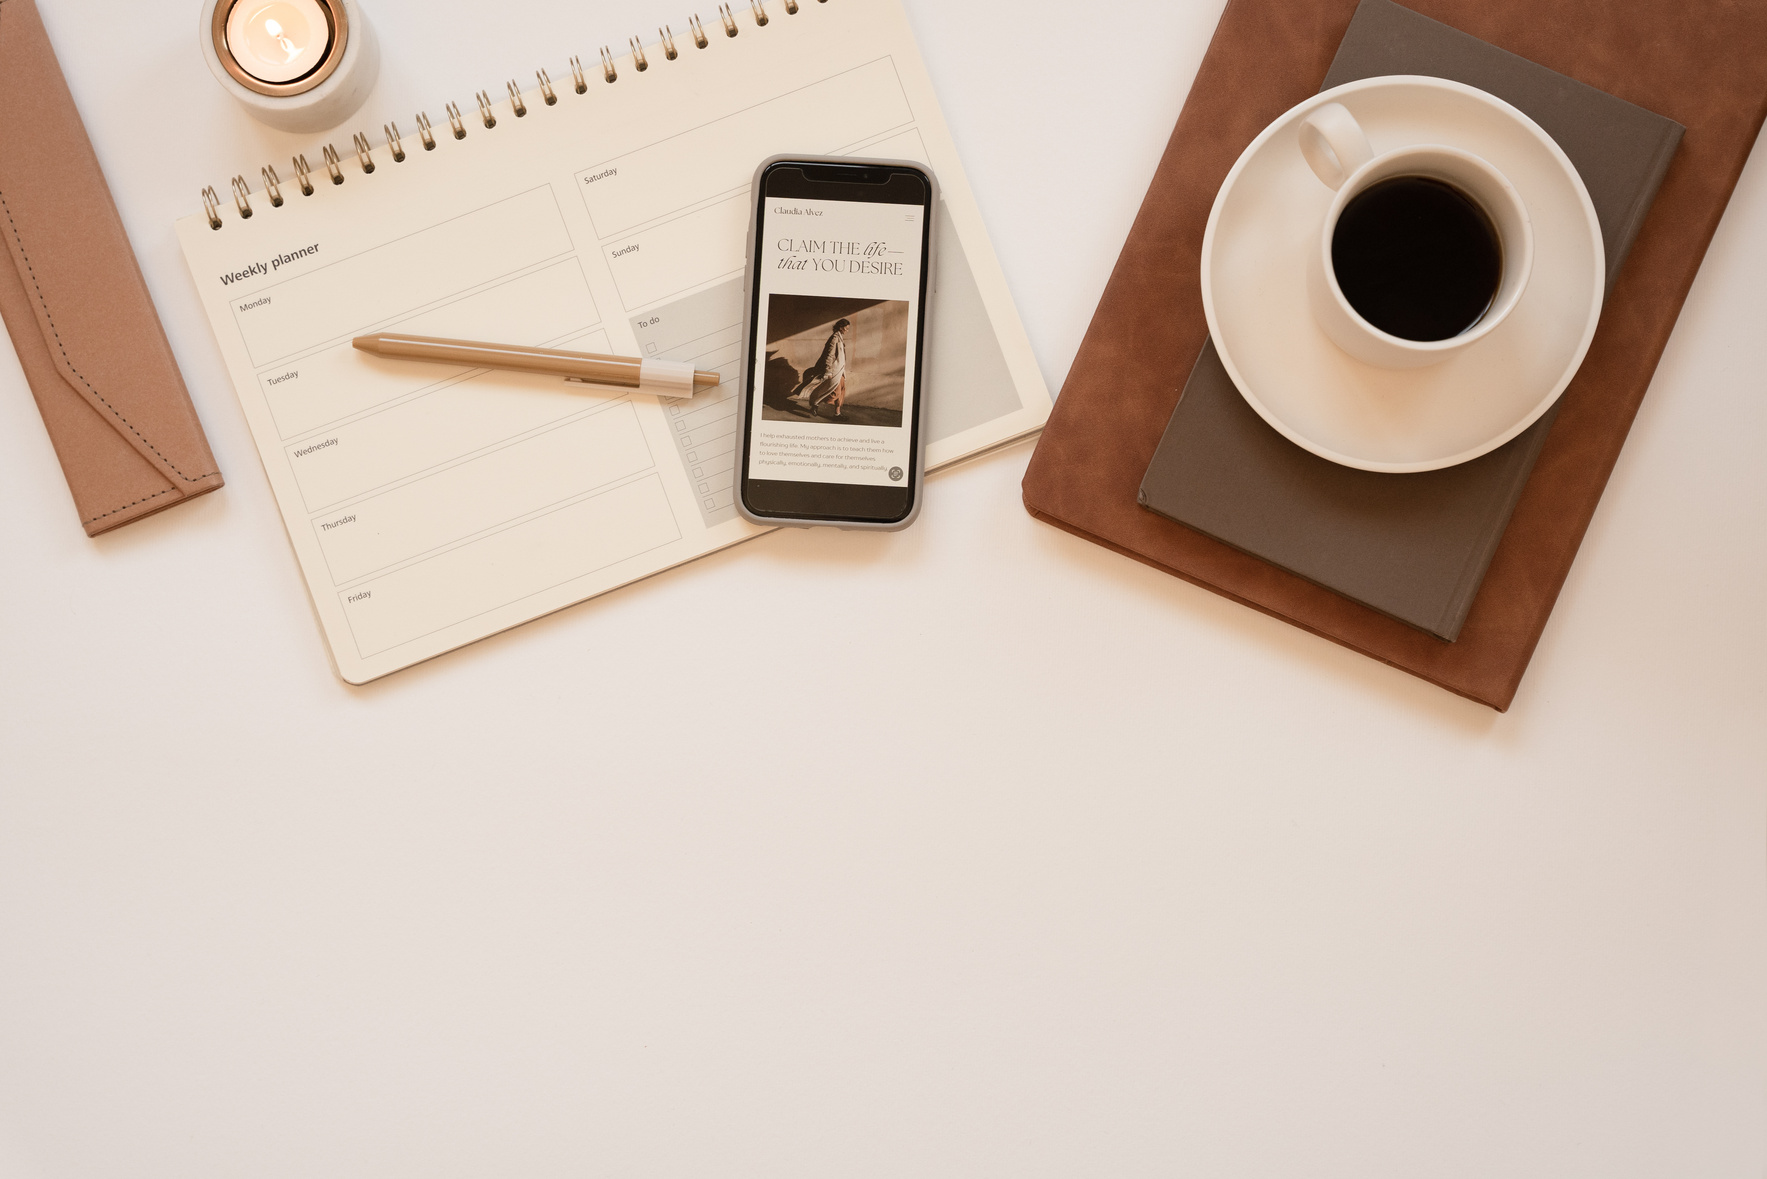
(1338, 151)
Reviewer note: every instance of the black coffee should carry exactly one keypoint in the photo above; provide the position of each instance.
(1417, 257)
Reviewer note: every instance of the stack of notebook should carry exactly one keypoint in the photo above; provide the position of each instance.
(1448, 574)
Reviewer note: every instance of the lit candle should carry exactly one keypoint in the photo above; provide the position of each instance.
(278, 41)
(301, 65)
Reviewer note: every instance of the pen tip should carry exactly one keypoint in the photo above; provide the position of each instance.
(365, 343)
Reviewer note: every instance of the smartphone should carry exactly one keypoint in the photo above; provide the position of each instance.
(835, 328)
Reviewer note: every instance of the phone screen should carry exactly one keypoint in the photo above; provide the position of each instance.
(839, 284)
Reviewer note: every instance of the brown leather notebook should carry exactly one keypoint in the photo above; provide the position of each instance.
(1704, 69)
(1413, 546)
(77, 308)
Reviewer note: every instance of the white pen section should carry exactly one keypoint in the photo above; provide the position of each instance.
(665, 378)
(483, 493)
(824, 117)
(280, 319)
(543, 307)
(457, 419)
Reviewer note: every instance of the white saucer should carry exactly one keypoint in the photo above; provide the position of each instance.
(1268, 216)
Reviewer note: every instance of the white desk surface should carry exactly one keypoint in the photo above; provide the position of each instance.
(972, 850)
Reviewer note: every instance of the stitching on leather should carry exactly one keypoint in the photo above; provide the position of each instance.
(88, 384)
(48, 315)
(127, 506)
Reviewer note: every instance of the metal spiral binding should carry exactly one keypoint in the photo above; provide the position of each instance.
(303, 172)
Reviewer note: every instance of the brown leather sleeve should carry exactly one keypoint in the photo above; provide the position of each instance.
(77, 308)
(1704, 67)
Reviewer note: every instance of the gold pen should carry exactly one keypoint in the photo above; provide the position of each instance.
(665, 378)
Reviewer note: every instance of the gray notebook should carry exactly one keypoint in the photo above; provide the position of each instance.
(1414, 547)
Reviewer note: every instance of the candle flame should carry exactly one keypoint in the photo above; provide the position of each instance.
(274, 28)
(275, 40)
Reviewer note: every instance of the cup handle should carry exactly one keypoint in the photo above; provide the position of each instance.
(1333, 144)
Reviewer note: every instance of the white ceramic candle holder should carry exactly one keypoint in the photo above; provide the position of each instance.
(333, 82)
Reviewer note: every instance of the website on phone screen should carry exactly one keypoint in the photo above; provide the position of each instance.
(838, 317)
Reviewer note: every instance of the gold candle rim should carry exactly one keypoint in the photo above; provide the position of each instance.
(337, 23)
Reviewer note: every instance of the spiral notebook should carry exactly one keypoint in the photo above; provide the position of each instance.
(604, 210)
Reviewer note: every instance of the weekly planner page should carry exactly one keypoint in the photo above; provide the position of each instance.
(432, 506)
